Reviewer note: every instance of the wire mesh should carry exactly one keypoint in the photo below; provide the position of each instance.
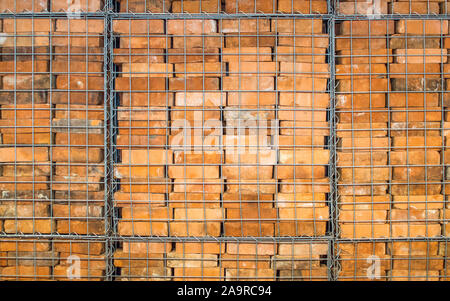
(223, 140)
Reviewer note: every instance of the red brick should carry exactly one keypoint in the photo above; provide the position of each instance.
(79, 82)
(357, 42)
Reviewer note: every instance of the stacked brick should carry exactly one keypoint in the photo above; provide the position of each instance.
(31, 259)
(361, 106)
(77, 124)
(197, 132)
(393, 261)
(415, 127)
(39, 6)
(383, 7)
(227, 6)
(390, 154)
(213, 261)
(303, 127)
(52, 147)
(25, 127)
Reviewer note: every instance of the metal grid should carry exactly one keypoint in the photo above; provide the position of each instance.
(168, 234)
(213, 140)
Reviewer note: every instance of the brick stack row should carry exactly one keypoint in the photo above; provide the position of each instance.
(38, 6)
(383, 7)
(390, 148)
(405, 260)
(362, 150)
(26, 127)
(213, 261)
(227, 6)
(78, 124)
(31, 259)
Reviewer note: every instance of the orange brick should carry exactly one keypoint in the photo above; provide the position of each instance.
(364, 56)
(302, 6)
(133, 27)
(81, 26)
(247, 54)
(289, 83)
(193, 84)
(422, 8)
(258, 6)
(420, 56)
(244, 25)
(79, 82)
(196, 6)
(147, 70)
(77, 154)
(422, 27)
(17, 6)
(77, 6)
(205, 41)
(363, 8)
(28, 25)
(366, 28)
(182, 27)
(297, 26)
